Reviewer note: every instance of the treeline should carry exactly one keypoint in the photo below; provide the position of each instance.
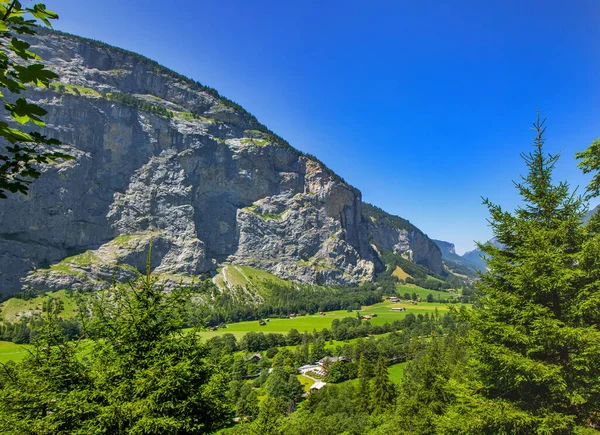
(420, 275)
(281, 301)
(347, 328)
(25, 330)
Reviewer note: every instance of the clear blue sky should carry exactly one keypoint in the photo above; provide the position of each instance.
(422, 105)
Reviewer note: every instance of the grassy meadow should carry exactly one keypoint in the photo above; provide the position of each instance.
(13, 309)
(12, 352)
(310, 322)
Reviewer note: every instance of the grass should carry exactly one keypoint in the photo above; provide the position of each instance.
(422, 292)
(12, 352)
(306, 382)
(14, 308)
(396, 371)
(318, 322)
(192, 116)
(400, 274)
(253, 280)
(67, 88)
(257, 142)
(253, 209)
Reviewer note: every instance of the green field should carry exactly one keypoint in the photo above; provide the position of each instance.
(318, 322)
(12, 352)
(306, 382)
(14, 308)
(396, 371)
(422, 292)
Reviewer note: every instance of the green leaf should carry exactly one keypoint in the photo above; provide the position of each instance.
(36, 73)
(22, 112)
(41, 13)
(13, 135)
(20, 49)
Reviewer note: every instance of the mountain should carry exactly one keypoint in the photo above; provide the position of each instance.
(467, 264)
(165, 162)
(591, 213)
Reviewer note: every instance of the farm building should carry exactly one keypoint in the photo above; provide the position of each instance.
(317, 385)
(254, 357)
(331, 360)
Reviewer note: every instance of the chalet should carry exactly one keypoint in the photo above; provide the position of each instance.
(317, 385)
(311, 368)
(331, 360)
(262, 323)
(254, 357)
(399, 309)
(394, 299)
(322, 313)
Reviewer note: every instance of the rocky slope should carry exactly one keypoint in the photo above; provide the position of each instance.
(163, 160)
(394, 233)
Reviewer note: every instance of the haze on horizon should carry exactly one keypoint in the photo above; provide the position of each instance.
(423, 107)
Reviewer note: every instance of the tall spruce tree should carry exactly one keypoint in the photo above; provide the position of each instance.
(535, 341)
(383, 392)
(363, 393)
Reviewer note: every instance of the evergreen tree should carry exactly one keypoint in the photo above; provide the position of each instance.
(317, 350)
(247, 403)
(363, 393)
(284, 385)
(270, 417)
(383, 392)
(424, 391)
(50, 391)
(535, 339)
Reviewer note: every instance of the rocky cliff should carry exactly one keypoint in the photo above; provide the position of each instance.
(161, 159)
(394, 233)
(448, 249)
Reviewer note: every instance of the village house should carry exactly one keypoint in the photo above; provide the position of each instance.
(254, 357)
(331, 359)
(317, 385)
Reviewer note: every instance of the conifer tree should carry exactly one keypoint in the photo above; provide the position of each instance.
(383, 393)
(535, 339)
(363, 393)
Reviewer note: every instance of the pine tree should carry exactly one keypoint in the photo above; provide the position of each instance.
(383, 393)
(363, 393)
(535, 339)
(317, 350)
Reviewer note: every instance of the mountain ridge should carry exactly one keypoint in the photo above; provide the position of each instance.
(164, 163)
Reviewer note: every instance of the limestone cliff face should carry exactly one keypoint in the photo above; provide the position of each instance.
(396, 234)
(162, 160)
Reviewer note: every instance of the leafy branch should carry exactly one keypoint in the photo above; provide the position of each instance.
(21, 152)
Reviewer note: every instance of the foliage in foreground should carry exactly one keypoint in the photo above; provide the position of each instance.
(140, 373)
(21, 151)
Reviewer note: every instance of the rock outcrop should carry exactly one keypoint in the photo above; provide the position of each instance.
(164, 161)
(396, 234)
(447, 248)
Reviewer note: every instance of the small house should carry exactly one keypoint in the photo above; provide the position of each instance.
(317, 385)
(254, 357)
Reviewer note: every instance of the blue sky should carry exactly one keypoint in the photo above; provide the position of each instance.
(424, 106)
